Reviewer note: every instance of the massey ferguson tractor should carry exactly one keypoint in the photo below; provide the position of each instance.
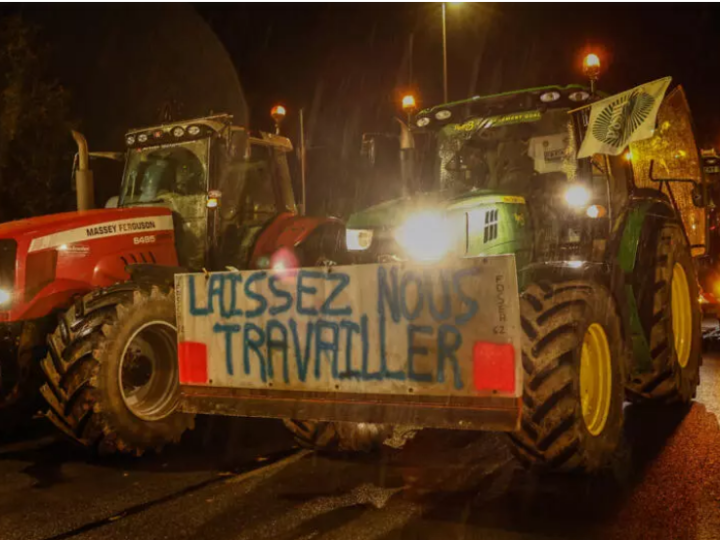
(196, 195)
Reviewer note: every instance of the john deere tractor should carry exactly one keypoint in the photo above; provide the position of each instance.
(604, 247)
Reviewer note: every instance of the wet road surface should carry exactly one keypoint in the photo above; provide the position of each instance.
(242, 479)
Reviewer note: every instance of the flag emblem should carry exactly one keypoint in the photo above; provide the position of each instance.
(622, 119)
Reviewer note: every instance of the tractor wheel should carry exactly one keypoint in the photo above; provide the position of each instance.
(573, 356)
(111, 372)
(338, 436)
(671, 317)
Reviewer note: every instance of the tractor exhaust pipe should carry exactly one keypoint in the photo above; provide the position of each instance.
(407, 158)
(83, 174)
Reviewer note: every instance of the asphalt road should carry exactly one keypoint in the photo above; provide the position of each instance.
(242, 479)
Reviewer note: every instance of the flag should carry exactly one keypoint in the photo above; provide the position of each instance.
(623, 118)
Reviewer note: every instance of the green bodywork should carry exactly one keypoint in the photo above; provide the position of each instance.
(626, 259)
(487, 223)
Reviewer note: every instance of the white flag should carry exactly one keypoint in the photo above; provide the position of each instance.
(623, 118)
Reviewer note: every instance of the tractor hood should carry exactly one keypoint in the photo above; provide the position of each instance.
(56, 229)
(393, 213)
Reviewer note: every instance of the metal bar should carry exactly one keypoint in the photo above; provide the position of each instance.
(444, 43)
(486, 413)
(302, 160)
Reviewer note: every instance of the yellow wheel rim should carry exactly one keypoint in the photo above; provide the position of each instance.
(681, 314)
(595, 379)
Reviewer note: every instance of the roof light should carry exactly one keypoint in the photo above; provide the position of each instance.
(549, 97)
(580, 95)
(591, 65)
(408, 103)
(278, 112)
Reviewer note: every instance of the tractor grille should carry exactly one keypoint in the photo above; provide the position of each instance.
(491, 225)
(8, 251)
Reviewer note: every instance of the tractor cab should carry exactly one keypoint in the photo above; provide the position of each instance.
(501, 174)
(498, 168)
(222, 184)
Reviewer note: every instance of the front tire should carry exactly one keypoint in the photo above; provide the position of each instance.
(111, 371)
(573, 356)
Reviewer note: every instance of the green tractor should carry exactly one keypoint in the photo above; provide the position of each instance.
(604, 247)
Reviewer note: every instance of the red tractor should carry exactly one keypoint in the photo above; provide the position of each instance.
(197, 194)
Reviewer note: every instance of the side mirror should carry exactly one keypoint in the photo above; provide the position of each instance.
(698, 196)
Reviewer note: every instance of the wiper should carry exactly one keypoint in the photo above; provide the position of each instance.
(140, 203)
(483, 125)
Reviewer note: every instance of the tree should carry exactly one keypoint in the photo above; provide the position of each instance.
(35, 142)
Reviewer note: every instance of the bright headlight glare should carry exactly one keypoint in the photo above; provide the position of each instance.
(358, 239)
(425, 236)
(577, 196)
(4, 297)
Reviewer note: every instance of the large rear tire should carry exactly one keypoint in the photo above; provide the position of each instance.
(573, 356)
(111, 371)
(671, 317)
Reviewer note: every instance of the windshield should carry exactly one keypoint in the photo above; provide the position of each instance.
(176, 177)
(505, 152)
(156, 174)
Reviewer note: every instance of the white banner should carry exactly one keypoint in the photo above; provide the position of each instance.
(439, 330)
(623, 118)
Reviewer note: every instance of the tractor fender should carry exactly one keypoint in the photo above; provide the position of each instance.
(645, 212)
(57, 295)
(293, 235)
(627, 234)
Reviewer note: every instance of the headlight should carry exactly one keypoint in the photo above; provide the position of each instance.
(577, 196)
(425, 236)
(4, 297)
(358, 239)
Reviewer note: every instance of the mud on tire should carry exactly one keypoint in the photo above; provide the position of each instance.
(666, 380)
(555, 321)
(84, 371)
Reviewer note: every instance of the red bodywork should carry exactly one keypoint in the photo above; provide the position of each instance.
(63, 255)
(282, 236)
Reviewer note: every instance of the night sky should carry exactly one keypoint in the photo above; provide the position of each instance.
(350, 61)
(347, 66)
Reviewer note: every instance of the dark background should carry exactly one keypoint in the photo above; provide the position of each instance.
(347, 65)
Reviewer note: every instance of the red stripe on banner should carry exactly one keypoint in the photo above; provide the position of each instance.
(192, 360)
(494, 366)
